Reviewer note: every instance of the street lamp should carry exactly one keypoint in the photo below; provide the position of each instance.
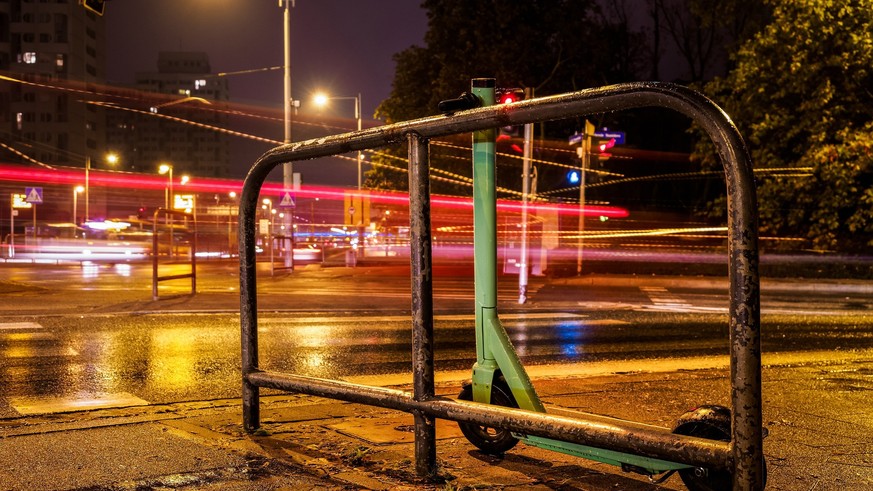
(321, 100)
(76, 191)
(168, 191)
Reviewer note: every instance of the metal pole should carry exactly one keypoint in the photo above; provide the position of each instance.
(358, 118)
(525, 197)
(75, 204)
(422, 303)
(87, 188)
(11, 226)
(585, 157)
(288, 168)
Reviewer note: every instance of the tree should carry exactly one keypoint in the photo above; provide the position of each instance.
(801, 95)
(552, 46)
(705, 32)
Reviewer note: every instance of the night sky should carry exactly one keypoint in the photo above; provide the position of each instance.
(342, 47)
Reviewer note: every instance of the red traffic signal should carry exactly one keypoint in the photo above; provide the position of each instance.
(604, 146)
(508, 96)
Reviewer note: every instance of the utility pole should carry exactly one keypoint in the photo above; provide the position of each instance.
(288, 169)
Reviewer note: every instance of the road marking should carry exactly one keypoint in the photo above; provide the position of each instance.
(19, 325)
(662, 299)
(27, 406)
(649, 365)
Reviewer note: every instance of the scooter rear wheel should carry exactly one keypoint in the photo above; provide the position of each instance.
(492, 441)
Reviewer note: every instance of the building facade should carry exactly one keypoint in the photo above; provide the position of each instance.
(54, 51)
(185, 102)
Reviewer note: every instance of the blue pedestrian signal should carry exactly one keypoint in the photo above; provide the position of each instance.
(573, 177)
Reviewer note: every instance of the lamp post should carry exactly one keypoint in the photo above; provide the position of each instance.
(321, 100)
(168, 196)
(76, 191)
(288, 168)
(168, 191)
(112, 159)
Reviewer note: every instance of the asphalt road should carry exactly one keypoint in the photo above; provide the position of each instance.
(53, 361)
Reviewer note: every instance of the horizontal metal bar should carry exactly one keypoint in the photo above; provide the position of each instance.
(585, 429)
(175, 277)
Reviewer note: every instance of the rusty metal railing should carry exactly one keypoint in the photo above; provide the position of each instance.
(743, 454)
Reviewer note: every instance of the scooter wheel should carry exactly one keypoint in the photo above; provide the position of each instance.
(712, 422)
(492, 441)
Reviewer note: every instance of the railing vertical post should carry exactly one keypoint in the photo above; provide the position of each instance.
(422, 302)
(249, 305)
(745, 313)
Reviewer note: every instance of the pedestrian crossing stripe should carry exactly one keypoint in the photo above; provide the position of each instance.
(19, 325)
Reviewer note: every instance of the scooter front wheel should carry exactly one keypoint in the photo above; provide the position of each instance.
(492, 441)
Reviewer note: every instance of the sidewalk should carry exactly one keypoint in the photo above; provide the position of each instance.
(818, 417)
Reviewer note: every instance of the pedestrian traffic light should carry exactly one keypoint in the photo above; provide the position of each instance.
(573, 177)
(95, 6)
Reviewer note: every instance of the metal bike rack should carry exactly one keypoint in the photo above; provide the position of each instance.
(193, 274)
(743, 455)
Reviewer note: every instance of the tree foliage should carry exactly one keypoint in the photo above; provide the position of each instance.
(551, 46)
(801, 94)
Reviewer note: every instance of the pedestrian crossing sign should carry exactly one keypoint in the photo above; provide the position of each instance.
(288, 200)
(33, 195)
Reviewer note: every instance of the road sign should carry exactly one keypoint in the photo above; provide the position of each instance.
(617, 135)
(288, 200)
(33, 195)
(18, 201)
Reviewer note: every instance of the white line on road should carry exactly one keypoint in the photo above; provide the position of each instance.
(19, 325)
(44, 405)
(591, 369)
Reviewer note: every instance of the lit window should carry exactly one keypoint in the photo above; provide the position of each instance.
(29, 57)
(60, 61)
(19, 119)
(199, 84)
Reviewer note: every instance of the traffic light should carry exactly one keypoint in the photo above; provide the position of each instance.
(603, 146)
(508, 96)
(573, 177)
(95, 6)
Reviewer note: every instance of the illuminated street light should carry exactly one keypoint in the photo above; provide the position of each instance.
(322, 99)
